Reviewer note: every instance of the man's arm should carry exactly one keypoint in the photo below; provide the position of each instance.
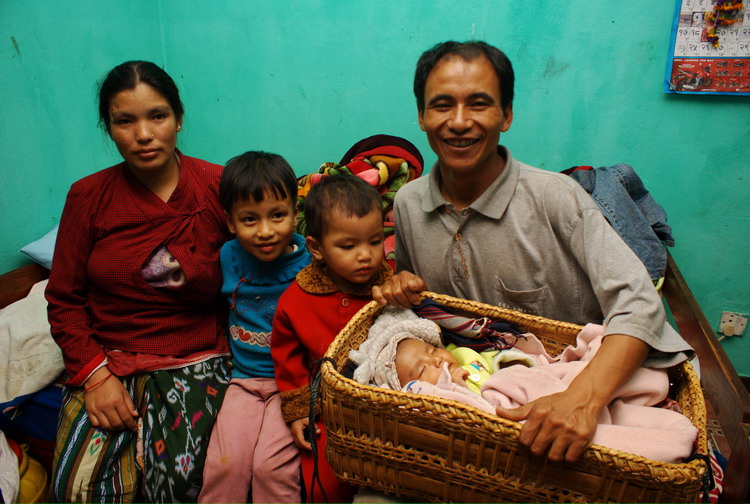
(402, 288)
(563, 424)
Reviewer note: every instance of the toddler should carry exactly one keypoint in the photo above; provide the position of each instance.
(251, 453)
(345, 237)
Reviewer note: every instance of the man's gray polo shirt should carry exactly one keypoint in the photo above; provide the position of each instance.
(534, 241)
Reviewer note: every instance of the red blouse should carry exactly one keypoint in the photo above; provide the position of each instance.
(310, 314)
(98, 298)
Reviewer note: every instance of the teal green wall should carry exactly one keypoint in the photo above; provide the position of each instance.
(309, 78)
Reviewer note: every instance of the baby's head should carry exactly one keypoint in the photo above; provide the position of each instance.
(419, 360)
(258, 192)
(402, 347)
(345, 229)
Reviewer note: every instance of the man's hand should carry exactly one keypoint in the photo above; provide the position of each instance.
(298, 428)
(109, 405)
(400, 290)
(563, 424)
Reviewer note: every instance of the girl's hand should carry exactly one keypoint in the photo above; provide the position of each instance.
(108, 404)
(299, 428)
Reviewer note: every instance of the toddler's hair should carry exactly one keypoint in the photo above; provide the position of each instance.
(347, 194)
(256, 174)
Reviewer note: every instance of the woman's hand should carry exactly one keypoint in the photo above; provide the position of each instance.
(108, 404)
(400, 290)
(299, 428)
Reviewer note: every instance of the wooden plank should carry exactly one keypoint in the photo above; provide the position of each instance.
(722, 386)
(17, 283)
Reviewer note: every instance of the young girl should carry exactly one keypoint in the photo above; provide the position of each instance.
(251, 454)
(345, 236)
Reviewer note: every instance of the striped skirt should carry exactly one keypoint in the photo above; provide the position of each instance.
(163, 461)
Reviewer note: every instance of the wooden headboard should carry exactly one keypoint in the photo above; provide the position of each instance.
(730, 401)
(16, 284)
(722, 386)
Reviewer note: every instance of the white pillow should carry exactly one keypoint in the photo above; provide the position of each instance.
(30, 359)
(41, 250)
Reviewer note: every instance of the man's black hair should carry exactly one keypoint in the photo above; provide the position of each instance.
(468, 51)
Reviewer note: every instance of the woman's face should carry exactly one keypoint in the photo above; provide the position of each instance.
(144, 127)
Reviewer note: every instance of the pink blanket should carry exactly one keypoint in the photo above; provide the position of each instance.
(629, 423)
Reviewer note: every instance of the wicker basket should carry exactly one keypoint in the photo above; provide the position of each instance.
(432, 449)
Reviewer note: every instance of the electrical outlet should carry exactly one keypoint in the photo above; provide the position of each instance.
(732, 323)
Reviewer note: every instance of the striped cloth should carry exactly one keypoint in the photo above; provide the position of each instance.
(479, 334)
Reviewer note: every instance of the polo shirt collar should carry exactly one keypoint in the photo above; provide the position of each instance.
(493, 202)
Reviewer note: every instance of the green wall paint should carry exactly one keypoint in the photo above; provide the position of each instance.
(307, 79)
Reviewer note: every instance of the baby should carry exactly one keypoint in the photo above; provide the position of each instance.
(402, 348)
(404, 352)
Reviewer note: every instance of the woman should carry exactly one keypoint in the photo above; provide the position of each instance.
(134, 303)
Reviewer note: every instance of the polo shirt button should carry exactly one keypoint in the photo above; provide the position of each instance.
(345, 302)
(448, 210)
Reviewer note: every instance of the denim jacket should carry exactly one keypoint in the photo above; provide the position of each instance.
(632, 212)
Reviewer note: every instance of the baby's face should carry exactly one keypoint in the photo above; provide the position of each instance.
(417, 360)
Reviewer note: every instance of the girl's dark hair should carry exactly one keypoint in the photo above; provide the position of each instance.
(255, 174)
(347, 194)
(468, 51)
(127, 76)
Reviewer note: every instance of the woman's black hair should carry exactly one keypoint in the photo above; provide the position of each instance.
(127, 76)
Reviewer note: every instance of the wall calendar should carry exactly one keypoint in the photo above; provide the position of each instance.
(709, 51)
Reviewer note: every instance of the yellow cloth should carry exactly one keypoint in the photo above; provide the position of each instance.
(479, 365)
(33, 480)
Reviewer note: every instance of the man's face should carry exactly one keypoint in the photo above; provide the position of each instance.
(462, 115)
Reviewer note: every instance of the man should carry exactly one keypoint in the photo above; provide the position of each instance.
(487, 227)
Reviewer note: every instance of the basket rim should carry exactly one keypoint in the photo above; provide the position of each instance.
(330, 376)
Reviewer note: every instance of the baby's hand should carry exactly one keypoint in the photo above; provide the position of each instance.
(458, 375)
(299, 432)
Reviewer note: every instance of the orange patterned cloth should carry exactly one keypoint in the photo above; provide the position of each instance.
(383, 161)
